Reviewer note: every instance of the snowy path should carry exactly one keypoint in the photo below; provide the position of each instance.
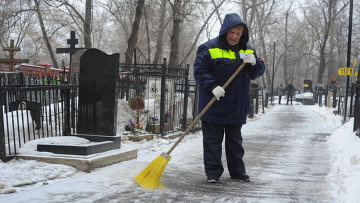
(286, 158)
(285, 153)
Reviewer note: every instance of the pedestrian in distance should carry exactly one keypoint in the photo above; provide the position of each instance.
(216, 60)
(281, 90)
(290, 90)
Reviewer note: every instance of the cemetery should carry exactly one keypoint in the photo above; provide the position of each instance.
(94, 99)
(92, 91)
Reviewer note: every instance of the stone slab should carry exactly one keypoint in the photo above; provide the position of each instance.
(85, 163)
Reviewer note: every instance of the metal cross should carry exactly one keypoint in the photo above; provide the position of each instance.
(72, 42)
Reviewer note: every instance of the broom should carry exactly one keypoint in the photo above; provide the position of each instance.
(150, 177)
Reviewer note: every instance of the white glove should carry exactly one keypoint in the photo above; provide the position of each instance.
(250, 58)
(218, 92)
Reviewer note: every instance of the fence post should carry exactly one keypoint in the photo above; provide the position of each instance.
(357, 108)
(2, 130)
(195, 101)
(352, 91)
(257, 102)
(266, 99)
(251, 110)
(334, 98)
(326, 96)
(186, 95)
(162, 98)
(66, 130)
(262, 101)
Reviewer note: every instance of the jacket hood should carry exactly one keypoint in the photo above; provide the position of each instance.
(230, 21)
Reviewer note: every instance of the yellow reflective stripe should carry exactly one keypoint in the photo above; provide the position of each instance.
(216, 53)
(247, 51)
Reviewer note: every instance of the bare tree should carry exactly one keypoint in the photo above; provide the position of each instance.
(161, 30)
(44, 34)
(177, 8)
(84, 25)
(191, 49)
(263, 18)
(134, 32)
(87, 23)
(322, 21)
(286, 47)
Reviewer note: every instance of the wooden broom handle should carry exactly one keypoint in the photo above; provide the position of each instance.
(204, 110)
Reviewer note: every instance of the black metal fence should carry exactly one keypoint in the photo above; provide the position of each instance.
(33, 108)
(333, 96)
(37, 107)
(170, 98)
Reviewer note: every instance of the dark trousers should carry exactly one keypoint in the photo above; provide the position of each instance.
(289, 98)
(213, 134)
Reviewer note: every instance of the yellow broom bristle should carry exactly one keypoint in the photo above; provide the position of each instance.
(150, 177)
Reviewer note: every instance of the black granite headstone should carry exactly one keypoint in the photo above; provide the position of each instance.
(97, 93)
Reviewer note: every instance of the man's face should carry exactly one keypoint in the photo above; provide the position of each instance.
(234, 34)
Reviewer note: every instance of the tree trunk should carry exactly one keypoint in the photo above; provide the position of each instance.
(134, 32)
(161, 30)
(147, 37)
(175, 36)
(286, 77)
(87, 24)
(322, 62)
(45, 37)
(328, 21)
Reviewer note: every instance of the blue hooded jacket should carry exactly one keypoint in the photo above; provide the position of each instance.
(215, 62)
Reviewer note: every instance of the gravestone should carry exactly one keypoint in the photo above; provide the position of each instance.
(75, 62)
(97, 93)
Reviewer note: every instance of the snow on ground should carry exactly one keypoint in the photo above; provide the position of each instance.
(20, 175)
(345, 173)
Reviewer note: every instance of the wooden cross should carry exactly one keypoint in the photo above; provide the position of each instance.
(71, 50)
(11, 61)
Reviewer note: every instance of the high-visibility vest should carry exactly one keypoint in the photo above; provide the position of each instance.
(216, 53)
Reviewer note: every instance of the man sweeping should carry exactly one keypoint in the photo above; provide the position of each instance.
(216, 60)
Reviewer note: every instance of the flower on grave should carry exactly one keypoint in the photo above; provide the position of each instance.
(154, 120)
(130, 126)
(139, 126)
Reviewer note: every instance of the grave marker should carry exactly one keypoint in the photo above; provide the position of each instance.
(71, 50)
(11, 61)
(97, 93)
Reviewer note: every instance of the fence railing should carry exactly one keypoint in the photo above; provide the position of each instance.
(333, 96)
(167, 93)
(33, 109)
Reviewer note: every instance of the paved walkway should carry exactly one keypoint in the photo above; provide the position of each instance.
(286, 158)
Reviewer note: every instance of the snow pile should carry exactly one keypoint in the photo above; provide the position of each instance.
(332, 120)
(345, 173)
(17, 175)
